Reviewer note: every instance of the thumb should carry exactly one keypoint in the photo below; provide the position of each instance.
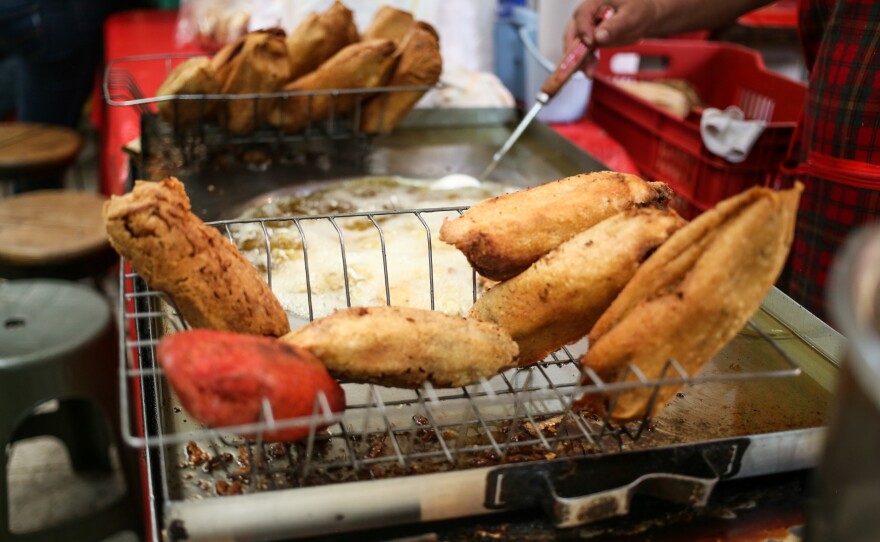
(584, 19)
(620, 28)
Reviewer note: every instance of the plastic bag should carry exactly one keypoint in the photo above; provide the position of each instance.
(214, 23)
(465, 26)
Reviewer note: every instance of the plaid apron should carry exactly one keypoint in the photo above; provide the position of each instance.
(837, 154)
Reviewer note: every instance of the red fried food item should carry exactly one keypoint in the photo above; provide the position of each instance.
(221, 379)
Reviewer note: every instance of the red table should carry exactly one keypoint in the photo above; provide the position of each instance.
(590, 137)
(130, 33)
(780, 14)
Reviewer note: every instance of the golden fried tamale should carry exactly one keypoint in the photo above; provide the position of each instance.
(694, 294)
(504, 235)
(420, 64)
(255, 63)
(362, 65)
(389, 23)
(212, 284)
(193, 76)
(406, 347)
(557, 300)
(319, 37)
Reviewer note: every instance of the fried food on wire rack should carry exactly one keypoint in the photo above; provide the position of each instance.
(254, 63)
(504, 235)
(406, 347)
(211, 283)
(222, 378)
(192, 76)
(420, 64)
(318, 37)
(389, 23)
(557, 300)
(362, 65)
(693, 295)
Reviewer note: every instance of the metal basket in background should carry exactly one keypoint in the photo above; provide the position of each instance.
(124, 86)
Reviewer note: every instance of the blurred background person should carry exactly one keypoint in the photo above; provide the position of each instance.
(836, 150)
(51, 50)
(49, 55)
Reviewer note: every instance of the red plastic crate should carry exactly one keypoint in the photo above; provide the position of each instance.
(779, 14)
(670, 149)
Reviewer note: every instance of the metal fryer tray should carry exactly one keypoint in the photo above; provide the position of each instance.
(719, 429)
(408, 440)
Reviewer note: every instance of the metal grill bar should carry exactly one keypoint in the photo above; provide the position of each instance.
(344, 261)
(305, 251)
(430, 256)
(384, 250)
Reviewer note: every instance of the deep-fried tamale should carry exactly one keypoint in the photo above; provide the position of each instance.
(420, 64)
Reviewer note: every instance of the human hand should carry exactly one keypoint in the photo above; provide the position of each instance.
(573, 35)
(604, 23)
(570, 41)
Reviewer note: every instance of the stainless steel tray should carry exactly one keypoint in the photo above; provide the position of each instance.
(724, 427)
(428, 144)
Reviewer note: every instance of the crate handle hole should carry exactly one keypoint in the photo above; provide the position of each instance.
(14, 323)
(631, 63)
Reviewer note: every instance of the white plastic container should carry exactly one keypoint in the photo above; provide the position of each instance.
(570, 103)
(553, 16)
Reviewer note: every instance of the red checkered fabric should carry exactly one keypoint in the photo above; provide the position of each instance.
(839, 154)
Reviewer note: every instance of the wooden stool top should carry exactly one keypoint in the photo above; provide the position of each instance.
(27, 146)
(51, 226)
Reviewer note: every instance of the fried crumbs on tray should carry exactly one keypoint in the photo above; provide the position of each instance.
(503, 236)
(693, 295)
(211, 283)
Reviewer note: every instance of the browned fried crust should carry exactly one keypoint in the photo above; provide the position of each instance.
(557, 300)
(209, 280)
(406, 347)
(389, 23)
(504, 235)
(366, 64)
(193, 76)
(695, 293)
(255, 63)
(420, 64)
(319, 37)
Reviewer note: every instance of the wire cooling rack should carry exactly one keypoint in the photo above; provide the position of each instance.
(522, 414)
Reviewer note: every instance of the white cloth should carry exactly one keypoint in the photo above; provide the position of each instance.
(727, 133)
(461, 88)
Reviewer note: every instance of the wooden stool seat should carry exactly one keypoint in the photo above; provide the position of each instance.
(27, 147)
(53, 233)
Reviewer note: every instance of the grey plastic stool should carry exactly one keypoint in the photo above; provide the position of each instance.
(58, 341)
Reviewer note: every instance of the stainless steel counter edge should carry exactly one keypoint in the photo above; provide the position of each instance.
(381, 503)
(334, 508)
(806, 325)
(782, 452)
